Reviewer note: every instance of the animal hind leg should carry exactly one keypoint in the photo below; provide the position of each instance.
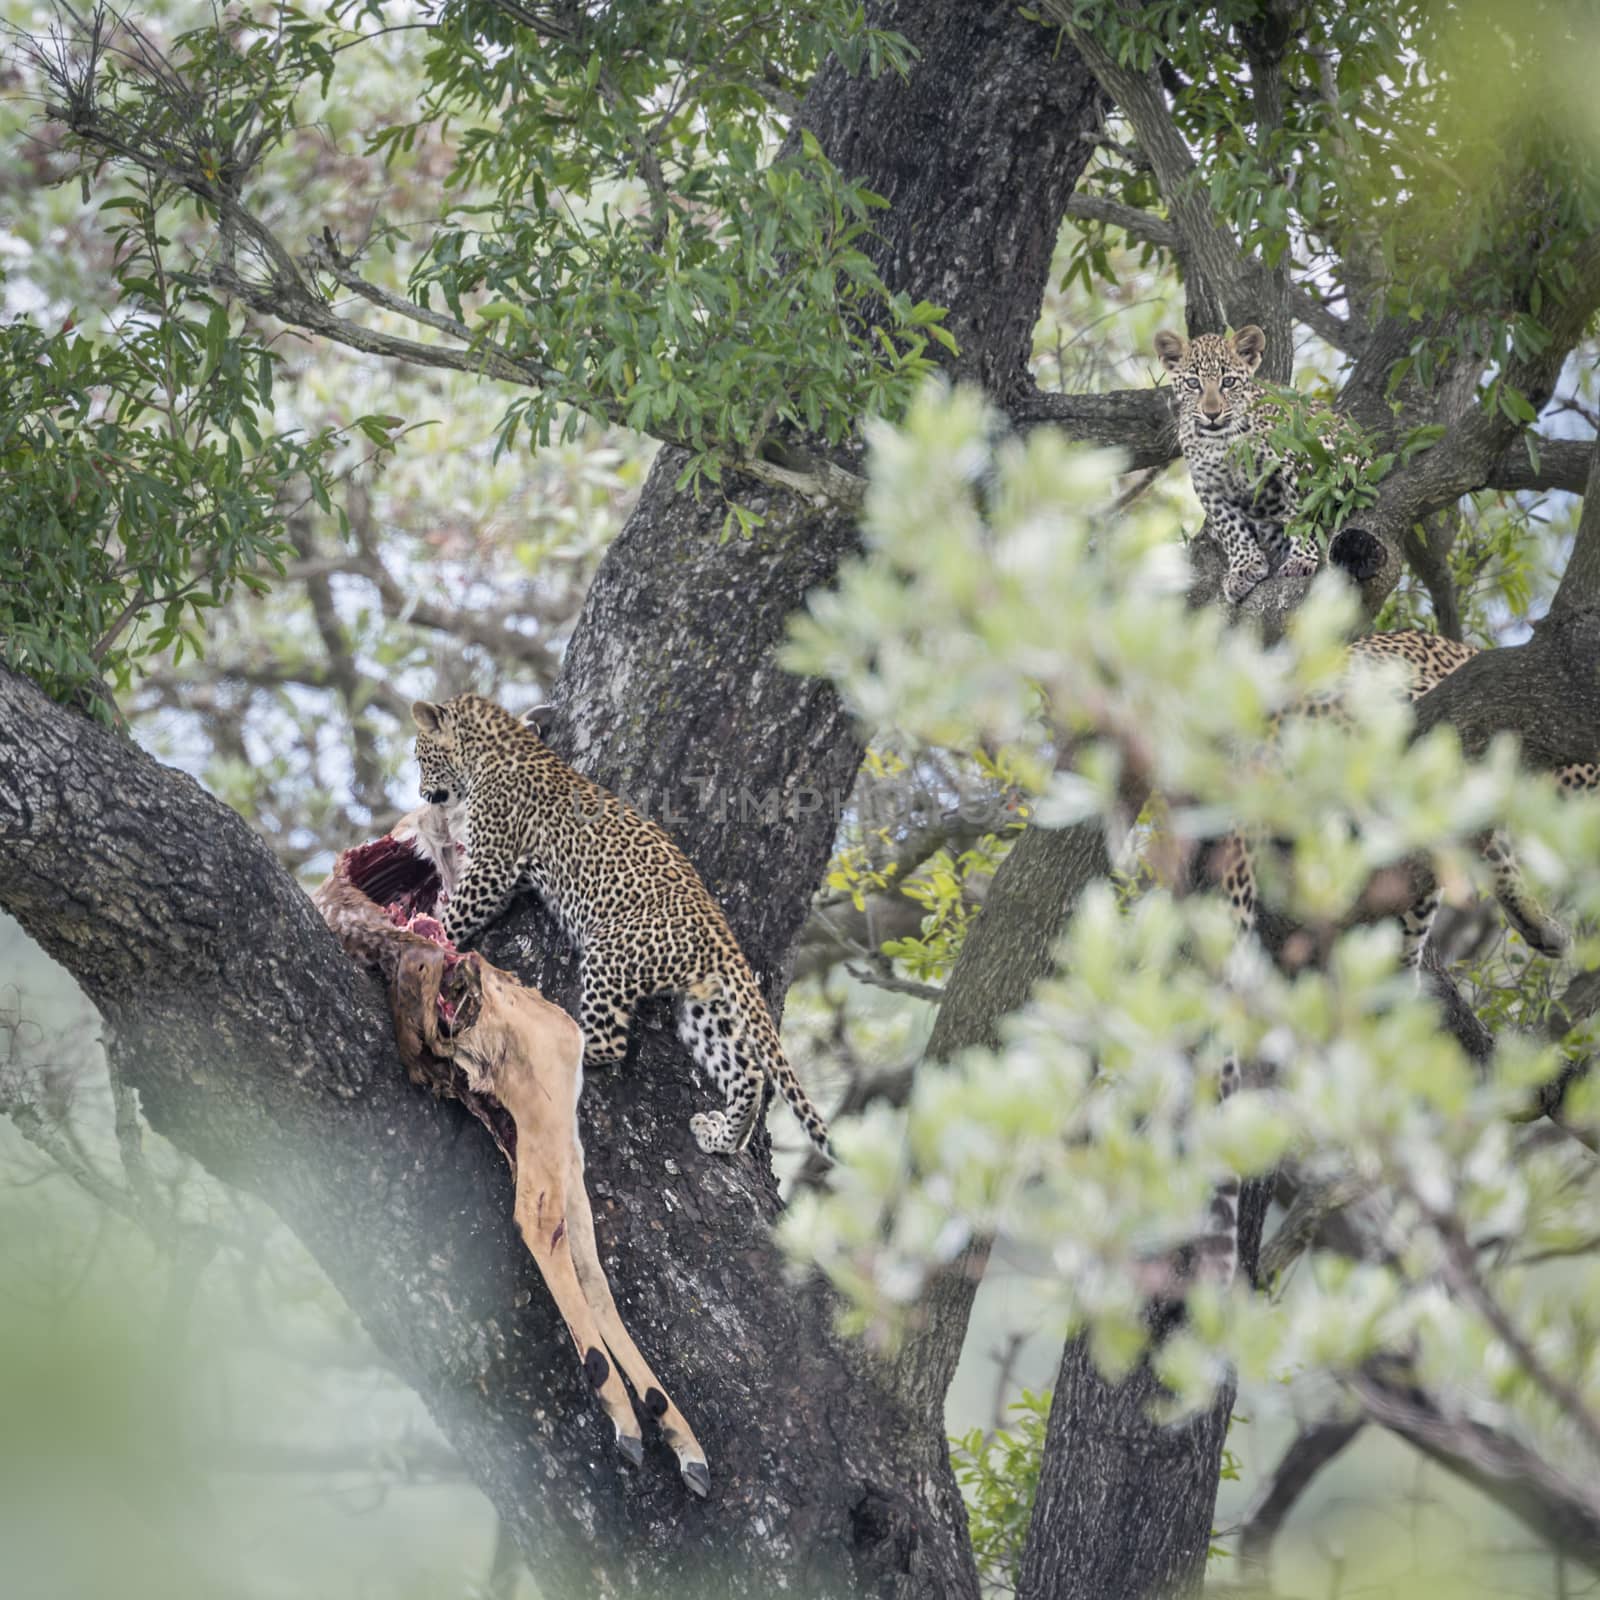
(1216, 1251)
(1416, 923)
(605, 1011)
(710, 1025)
(543, 1214)
(597, 1291)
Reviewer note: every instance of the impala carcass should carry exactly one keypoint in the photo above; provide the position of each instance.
(469, 1030)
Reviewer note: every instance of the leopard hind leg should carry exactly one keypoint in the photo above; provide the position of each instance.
(1216, 1251)
(1416, 923)
(605, 1010)
(716, 1033)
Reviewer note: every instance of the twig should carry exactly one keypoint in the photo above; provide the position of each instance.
(894, 985)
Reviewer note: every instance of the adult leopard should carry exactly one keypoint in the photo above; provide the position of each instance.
(1428, 660)
(622, 891)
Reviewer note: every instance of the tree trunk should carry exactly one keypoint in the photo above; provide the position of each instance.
(258, 1048)
(1124, 1506)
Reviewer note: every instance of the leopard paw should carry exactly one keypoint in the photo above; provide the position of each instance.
(1298, 566)
(711, 1132)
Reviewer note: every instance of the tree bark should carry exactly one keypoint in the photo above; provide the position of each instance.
(257, 1047)
(1124, 1506)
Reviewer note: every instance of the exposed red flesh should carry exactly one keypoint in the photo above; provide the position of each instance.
(391, 873)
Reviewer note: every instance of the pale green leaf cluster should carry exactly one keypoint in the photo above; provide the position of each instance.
(992, 583)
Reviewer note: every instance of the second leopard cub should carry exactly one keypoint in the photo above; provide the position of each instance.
(1250, 493)
(622, 891)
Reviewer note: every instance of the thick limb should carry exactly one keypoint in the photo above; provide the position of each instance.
(597, 1291)
(544, 1184)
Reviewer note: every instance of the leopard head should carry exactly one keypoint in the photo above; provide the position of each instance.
(444, 778)
(1212, 377)
(456, 740)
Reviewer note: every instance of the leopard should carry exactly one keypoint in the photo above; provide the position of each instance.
(1427, 660)
(622, 892)
(1250, 492)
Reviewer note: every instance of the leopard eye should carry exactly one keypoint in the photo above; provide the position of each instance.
(1192, 383)
(1229, 381)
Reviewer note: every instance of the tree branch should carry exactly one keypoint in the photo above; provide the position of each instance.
(288, 293)
(1580, 583)
(1562, 464)
(1547, 691)
(1480, 438)
(1137, 421)
(1305, 1456)
(1561, 1509)
(1220, 281)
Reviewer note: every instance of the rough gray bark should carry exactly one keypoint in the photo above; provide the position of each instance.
(257, 1047)
(1124, 1506)
(1546, 691)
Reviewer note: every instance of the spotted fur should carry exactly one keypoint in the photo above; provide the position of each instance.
(622, 891)
(1248, 490)
(1428, 660)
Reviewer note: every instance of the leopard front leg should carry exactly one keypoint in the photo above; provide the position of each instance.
(1277, 505)
(1303, 558)
(1247, 563)
(487, 884)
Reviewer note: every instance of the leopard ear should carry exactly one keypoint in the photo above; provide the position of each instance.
(427, 716)
(540, 719)
(1172, 348)
(1248, 343)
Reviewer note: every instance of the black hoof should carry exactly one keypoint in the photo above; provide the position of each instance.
(697, 1477)
(1356, 552)
(632, 1449)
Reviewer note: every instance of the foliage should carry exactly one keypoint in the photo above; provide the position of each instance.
(999, 1476)
(142, 478)
(732, 294)
(625, 226)
(1091, 1139)
(1412, 151)
(942, 887)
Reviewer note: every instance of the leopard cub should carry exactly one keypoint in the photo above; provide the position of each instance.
(1248, 490)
